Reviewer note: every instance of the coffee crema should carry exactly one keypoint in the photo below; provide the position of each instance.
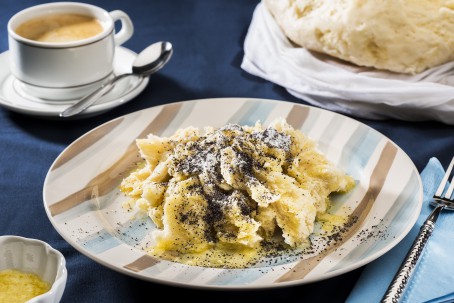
(60, 28)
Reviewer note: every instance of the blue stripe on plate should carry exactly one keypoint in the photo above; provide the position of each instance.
(239, 277)
(252, 111)
(132, 234)
(189, 274)
(156, 269)
(362, 145)
(99, 242)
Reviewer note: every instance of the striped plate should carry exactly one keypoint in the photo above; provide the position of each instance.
(83, 202)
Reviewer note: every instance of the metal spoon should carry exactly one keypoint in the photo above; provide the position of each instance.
(147, 62)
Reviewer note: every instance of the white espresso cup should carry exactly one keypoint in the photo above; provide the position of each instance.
(70, 69)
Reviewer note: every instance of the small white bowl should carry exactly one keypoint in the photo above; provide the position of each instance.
(38, 257)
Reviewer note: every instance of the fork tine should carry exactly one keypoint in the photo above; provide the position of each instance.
(448, 194)
(442, 186)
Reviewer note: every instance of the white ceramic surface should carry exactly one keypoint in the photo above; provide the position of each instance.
(38, 257)
(84, 204)
(14, 98)
(67, 65)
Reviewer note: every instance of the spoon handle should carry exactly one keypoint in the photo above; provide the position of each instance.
(91, 98)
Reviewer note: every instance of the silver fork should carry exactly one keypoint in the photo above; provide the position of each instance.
(397, 287)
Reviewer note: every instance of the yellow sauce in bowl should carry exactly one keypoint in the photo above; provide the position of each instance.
(18, 287)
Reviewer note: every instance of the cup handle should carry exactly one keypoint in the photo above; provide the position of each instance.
(127, 28)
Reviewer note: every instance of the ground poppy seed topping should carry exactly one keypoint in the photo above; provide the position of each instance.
(224, 197)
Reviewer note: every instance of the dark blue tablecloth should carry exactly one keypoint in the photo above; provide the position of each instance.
(207, 36)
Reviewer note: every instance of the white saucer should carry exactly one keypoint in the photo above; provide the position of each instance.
(15, 99)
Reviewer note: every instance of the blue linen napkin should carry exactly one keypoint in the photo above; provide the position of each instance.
(433, 279)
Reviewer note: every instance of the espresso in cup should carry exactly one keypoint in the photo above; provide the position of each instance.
(64, 50)
(60, 28)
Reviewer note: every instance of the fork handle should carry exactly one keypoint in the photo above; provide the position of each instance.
(397, 287)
